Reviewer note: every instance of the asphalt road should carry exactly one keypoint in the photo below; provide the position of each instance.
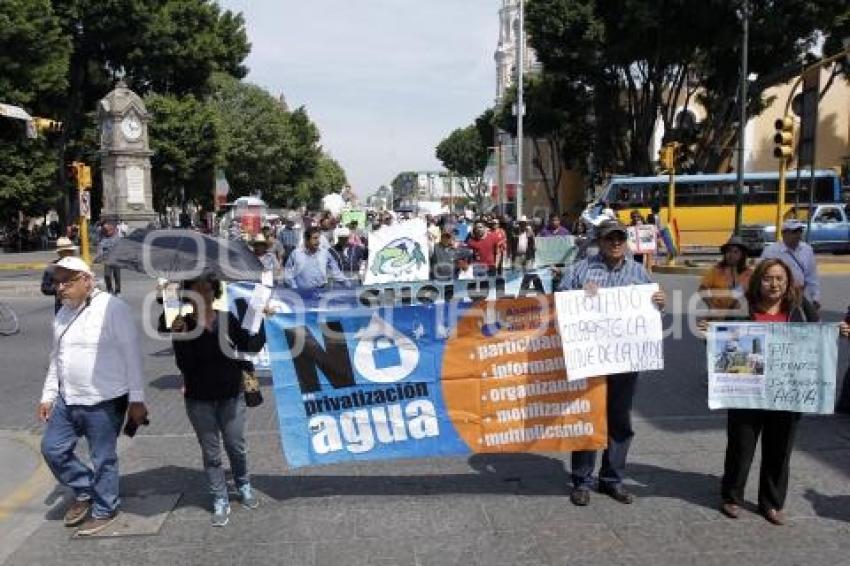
(510, 510)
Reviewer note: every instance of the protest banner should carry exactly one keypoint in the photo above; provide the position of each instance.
(428, 380)
(398, 253)
(642, 238)
(779, 367)
(554, 250)
(616, 330)
(349, 216)
(417, 293)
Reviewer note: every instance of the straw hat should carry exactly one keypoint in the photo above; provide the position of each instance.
(64, 244)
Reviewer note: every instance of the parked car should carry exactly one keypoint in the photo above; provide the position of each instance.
(830, 229)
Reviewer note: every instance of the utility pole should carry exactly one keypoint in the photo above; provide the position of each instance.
(520, 106)
(742, 120)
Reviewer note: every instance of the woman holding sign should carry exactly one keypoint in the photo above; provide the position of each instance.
(773, 299)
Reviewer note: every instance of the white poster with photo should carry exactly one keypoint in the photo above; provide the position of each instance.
(777, 367)
(398, 253)
(616, 330)
(642, 239)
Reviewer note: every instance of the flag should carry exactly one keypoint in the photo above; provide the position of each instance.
(670, 236)
(221, 190)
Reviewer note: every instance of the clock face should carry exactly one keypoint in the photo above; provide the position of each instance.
(131, 127)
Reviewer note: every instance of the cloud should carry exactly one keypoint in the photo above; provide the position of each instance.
(385, 80)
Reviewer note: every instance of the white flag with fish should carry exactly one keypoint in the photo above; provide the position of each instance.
(398, 253)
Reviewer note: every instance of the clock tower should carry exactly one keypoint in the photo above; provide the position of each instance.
(125, 158)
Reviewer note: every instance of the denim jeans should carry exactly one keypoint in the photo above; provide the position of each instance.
(112, 277)
(215, 420)
(100, 425)
(620, 392)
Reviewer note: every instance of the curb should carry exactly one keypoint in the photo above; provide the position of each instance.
(22, 266)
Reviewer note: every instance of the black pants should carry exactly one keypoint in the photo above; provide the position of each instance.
(112, 274)
(620, 392)
(777, 430)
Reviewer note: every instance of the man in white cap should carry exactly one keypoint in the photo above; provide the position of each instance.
(94, 378)
(64, 248)
(799, 256)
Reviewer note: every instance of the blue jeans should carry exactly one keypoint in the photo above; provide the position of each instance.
(620, 393)
(213, 421)
(100, 425)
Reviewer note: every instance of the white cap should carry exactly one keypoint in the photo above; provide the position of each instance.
(72, 263)
(343, 232)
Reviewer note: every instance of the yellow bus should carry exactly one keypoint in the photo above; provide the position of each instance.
(705, 204)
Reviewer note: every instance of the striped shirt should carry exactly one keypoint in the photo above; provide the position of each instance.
(594, 270)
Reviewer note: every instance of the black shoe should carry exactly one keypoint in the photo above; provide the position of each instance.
(580, 496)
(616, 492)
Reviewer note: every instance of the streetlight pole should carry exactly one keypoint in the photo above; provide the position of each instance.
(520, 106)
(742, 120)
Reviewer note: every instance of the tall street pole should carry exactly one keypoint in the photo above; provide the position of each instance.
(520, 107)
(742, 120)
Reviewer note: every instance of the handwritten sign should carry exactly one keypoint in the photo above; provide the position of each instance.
(617, 330)
(779, 367)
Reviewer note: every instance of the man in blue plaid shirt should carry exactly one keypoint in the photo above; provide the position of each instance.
(610, 268)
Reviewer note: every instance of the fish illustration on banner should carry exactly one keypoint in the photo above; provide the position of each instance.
(443, 379)
(398, 253)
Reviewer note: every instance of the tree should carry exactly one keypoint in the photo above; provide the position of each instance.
(33, 66)
(328, 177)
(641, 60)
(170, 46)
(556, 121)
(265, 147)
(185, 139)
(465, 152)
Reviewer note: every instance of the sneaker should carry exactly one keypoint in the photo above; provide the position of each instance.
(77, 512)
(246, 496)
(94, 525)
(221, 512)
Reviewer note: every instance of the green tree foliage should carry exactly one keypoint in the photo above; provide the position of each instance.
(464, 153)
(33, 65)
(265, 147)
(184, 136)
(641, 59)
(328, 177)
(556, 124)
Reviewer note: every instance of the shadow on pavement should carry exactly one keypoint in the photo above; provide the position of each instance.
(829, 506)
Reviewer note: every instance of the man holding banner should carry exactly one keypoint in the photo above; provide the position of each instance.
(611, 268)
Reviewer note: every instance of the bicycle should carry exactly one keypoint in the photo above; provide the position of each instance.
(8, 320)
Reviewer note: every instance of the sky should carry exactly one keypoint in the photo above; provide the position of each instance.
(384, 80)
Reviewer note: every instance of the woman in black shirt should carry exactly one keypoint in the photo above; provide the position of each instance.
(206, 348)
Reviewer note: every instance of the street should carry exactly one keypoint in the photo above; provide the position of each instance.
(510, 509)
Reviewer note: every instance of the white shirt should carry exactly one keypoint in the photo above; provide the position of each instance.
(804, 266)
(98, 358)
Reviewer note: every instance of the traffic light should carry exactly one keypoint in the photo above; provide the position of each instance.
(46, 125)
(784, 138)
(665, 157)
(80, 174)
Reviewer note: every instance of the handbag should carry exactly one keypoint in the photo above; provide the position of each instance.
(251, 386)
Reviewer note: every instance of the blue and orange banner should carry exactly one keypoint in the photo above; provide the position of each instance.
(411, 381)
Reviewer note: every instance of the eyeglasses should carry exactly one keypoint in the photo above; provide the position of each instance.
(67, 282)
(615, 239)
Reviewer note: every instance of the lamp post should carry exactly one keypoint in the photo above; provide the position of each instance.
(520, 111)
(742, 120)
